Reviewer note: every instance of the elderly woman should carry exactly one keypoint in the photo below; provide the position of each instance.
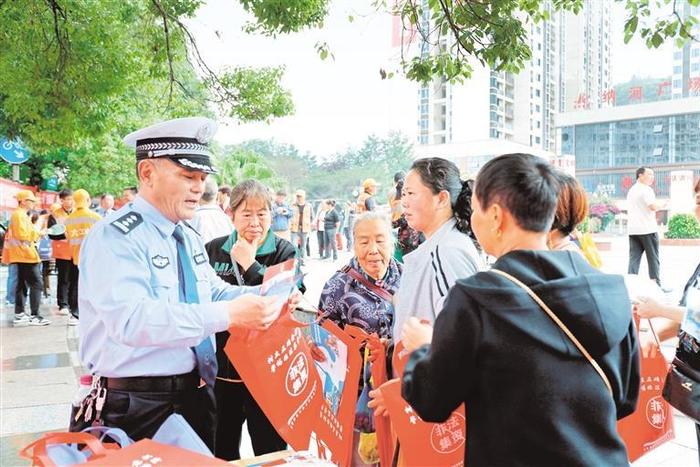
(241, 258)
(531, 395)
(360, 293)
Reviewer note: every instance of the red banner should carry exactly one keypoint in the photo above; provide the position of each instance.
(8, 193)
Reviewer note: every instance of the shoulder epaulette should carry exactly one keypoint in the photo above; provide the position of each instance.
(127, 222)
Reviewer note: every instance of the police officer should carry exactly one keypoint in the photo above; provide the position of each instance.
(149, 300)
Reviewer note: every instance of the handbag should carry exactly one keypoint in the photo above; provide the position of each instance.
(682, 389)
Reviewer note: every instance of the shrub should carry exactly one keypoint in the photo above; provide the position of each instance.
(683, 226)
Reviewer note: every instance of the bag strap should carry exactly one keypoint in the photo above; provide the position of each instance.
(355, 274)
(559, 323)
(38, 447)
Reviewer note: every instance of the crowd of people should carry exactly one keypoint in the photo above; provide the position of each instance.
(483, 280)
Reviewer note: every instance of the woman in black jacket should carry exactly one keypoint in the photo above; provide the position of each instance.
(531, 397)
(241, 258)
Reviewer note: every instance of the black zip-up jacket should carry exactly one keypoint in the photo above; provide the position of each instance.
(531, 398)
(273, 250)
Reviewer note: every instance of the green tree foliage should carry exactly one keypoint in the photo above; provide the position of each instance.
(340, 174)
(236, 164)
(76, 76)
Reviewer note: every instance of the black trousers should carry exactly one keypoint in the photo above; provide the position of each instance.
(63, 267)
(321, 237)
(649, 244)
(140, 414)
(234, 406)
(45, 272)
(73, 290)
(28, 277)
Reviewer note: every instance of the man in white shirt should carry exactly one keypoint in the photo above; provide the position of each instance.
(209, 219)
(641, 224)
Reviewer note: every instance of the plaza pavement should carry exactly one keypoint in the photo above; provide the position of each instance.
(40, 366)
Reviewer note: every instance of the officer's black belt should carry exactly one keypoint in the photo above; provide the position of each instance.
(175, 383)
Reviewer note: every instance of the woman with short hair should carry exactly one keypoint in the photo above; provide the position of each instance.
(532, 397)
(241, 259)
(572, 209)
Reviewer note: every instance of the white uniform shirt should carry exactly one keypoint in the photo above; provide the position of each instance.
(641, 220)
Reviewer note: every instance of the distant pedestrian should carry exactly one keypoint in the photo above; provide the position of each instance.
(301, 223)
(281, 216)
(78, 224)
(210, 221)
(320, 225)
(366, 201)
(641, 224)
(60, 249)
(129, 194)
(20, 242)
(331, 222)
(106, 205)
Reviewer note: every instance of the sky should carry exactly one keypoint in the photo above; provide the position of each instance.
(339, 102)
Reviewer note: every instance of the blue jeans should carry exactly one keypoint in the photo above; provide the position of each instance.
(11, 283)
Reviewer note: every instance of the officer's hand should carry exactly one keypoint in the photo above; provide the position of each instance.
(253, 312)
(243, 252)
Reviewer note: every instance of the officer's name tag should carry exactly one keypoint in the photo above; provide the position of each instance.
(199, 258)
(160, 261)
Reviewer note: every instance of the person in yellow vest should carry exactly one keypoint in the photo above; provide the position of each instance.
(78, 224)
(366, 201)
(61, 250)
(20, 249)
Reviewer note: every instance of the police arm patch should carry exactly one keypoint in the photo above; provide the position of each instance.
(127, 222)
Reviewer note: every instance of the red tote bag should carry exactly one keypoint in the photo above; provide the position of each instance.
(423, 443)
(651, 425)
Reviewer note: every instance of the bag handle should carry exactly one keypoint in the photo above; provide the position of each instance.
(38, 447)
(559, 323)
(352, 272)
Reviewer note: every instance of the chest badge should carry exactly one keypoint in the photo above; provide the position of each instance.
(160, 261)
(199, 258)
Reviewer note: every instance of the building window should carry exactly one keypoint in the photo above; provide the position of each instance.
(537, 108)
(658, 128)
(677, 70)
(537, 140)
(537, 92)
(678, 54)
(658, 151)
(677, 83)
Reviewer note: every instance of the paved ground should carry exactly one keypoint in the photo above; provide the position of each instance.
(40, 364)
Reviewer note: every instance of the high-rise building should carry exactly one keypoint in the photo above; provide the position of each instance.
(586, 65)
(570, 59)
(686, 61)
